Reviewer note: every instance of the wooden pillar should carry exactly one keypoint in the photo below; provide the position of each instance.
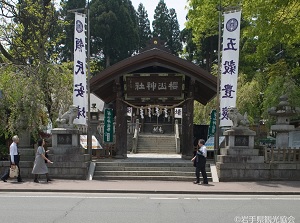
(187, 136)
(121, 125)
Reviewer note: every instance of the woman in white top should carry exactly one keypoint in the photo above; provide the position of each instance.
(40, 166)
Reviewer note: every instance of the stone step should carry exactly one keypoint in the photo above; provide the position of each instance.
(27, 158)
(149, 163)
(162, 142)
(157, 140)
(158, 151)
(69, 158)
(151, 145)
(124, 168)
(158, 178)
(182, 170)
(156, 144)
(27, 151)
(144, 173)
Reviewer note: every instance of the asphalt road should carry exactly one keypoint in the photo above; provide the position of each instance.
(140, 208)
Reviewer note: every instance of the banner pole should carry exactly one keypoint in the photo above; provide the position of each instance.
(89, 134)
(217, 134)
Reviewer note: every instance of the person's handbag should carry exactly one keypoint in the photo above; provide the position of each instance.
(13, 171)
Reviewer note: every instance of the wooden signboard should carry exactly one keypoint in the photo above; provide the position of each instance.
(154, 85)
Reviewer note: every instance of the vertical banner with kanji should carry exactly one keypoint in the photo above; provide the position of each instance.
(79, 94)
(230, 62)
(212, 124)
(108, 125)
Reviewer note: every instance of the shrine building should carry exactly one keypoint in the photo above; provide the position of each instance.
(158, 87)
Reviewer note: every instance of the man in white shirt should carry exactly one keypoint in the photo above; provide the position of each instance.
(14, 158)
(200, 162)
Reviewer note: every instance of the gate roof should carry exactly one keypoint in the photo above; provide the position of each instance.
(102, 84)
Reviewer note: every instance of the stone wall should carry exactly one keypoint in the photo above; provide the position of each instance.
(258, 171)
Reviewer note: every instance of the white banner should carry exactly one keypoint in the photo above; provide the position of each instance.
(230, 62)
(80, 91)
(95, 142)
(178, 112)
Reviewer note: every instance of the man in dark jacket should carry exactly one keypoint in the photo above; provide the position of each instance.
(200, 162)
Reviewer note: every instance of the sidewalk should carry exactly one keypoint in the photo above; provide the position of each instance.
(152, 187)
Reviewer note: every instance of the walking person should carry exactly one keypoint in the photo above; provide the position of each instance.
(40, 166)
(14, 159)
(200, 162)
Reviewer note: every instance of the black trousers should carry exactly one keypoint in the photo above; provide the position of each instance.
(6, 174)
(200, 167)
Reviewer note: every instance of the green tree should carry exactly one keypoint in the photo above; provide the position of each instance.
(114, 28)
(23, 104)
(269, 39)
(29, 46)
(27, 31)
(173, 41)
(144, 26)
(160, 24)
(67, 44)
(165, 26)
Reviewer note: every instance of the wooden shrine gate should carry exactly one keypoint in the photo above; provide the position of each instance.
(154, 83)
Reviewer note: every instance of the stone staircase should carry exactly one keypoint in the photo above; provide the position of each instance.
(156, 143)
(147, 169)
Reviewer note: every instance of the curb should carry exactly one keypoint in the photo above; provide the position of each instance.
(156, 192)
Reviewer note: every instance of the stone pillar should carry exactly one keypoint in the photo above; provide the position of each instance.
(24, 137)
(121, 126)
(187, 144)
(283, 111)
(65, 137)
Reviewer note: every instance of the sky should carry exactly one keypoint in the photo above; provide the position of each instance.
(178, 5)
(150, 5)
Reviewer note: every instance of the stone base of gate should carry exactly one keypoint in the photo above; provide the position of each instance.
(238, 160)
(70, 160)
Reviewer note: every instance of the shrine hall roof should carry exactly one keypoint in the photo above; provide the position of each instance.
(103, 86)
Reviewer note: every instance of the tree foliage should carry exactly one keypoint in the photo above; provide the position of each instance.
(269, 49)
(23, 104)
(165, 26)
(67, 43)
(32, 88)
(145, 33)
(114, 28)
(29, 31)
